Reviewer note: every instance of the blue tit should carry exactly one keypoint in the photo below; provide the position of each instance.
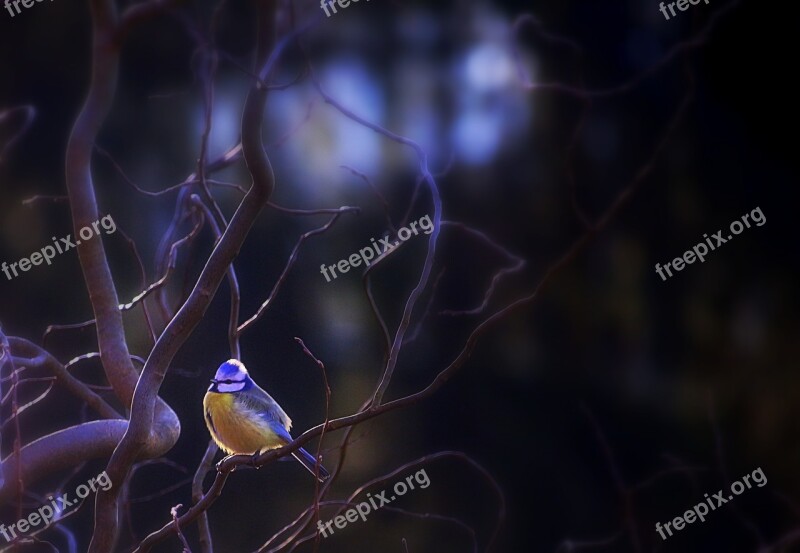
(244, 419)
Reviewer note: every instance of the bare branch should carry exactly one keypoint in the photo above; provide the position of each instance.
(517, 264)
(197, 494)
(289, 264)
(41, 358)
(181, 326)
(233, 283)
(76, 444)
(381, 198)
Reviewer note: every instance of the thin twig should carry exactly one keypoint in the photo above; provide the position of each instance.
(289, 264)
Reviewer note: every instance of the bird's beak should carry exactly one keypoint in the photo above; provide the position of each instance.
(215, 381)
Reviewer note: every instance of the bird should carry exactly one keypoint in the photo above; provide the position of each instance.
(242, 418)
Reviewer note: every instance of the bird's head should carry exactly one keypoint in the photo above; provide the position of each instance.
(231, 377)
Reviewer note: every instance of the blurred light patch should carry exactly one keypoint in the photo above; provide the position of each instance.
(494, 110)
(477, 136)
(342, 307)
(330, 139)
(417, 114)
(353, 86)
(225, 121)
(489, 67)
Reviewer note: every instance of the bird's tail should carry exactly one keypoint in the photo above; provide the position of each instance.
(308, 461)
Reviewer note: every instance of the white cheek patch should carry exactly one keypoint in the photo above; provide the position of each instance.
(227, 388)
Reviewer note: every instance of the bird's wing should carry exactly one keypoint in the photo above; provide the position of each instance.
(261, 403)
(210, 421)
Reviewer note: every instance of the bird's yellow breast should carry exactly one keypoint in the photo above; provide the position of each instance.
(235, 429)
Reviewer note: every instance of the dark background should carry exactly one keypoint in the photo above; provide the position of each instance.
(614, 401)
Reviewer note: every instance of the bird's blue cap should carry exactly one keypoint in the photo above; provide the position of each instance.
(231, 369)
